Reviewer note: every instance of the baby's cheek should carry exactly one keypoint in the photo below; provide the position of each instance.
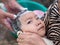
(31, 29)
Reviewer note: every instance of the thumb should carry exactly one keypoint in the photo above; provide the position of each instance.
(10, 15)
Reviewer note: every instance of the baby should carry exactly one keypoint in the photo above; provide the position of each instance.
(31, 22)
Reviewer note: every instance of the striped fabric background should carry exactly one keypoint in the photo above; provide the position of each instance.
(53, 23)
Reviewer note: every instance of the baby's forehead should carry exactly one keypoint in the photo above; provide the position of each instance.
(27, 15)
(30, 14)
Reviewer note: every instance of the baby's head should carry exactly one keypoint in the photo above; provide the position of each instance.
(30, 21)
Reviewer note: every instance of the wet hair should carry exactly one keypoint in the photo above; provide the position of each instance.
(16, 24)
(40, 14)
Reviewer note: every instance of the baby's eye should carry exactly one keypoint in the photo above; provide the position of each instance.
(42, 18)
(37, 18)
(29, 22)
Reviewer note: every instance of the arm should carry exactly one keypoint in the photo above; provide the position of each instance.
(53, 27)
(12, 6)
(30, 39)
(4, 18)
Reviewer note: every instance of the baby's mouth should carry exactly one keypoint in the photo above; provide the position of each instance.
(40, 28)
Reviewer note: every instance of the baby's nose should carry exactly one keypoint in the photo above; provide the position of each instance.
(38, 23)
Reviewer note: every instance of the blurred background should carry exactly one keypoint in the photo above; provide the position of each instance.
(6, 36)
(45, 2)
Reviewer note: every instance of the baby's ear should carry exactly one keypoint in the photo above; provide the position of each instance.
(38, 12)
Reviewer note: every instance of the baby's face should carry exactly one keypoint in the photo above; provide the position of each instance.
(31, 23)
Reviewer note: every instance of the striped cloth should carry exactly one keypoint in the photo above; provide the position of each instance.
(53, 23)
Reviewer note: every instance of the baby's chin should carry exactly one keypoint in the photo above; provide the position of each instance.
(41, 32)
(42, 35)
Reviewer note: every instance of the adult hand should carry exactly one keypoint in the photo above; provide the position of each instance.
(4, 18)
(30, 39)
(12, 6)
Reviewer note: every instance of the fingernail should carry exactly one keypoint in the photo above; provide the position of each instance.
(19, 32)
(15, 16)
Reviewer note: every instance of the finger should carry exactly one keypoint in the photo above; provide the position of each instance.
(7, 24)
(24, 35)
(33, 40)
(29, 38)
(23, 44)
(28, 35)
(12, 16)
(27, 41)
